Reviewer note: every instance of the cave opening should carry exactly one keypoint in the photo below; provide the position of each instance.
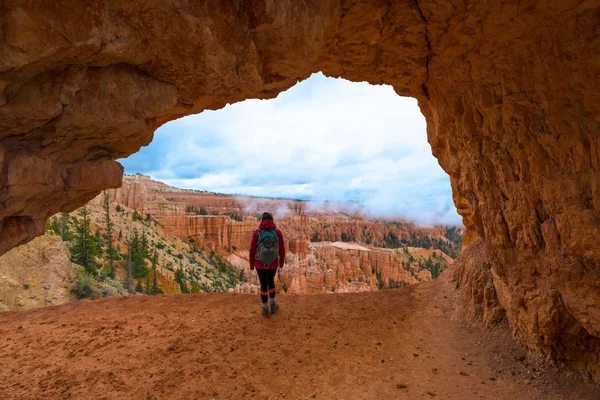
(352, 153)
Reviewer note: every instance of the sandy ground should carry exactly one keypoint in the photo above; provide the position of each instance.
(410, 343)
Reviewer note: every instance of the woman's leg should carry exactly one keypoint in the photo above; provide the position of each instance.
(271, 283)
(264, 285)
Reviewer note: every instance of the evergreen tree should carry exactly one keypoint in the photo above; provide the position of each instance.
(110, 251)
(60, 227)
(138, 247)
(64, 230)
(85, 247)
(52, 226)
(154, 289)
(180, 279)
(99, 242)
(129, 264)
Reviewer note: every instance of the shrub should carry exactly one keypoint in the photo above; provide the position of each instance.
(83, 287)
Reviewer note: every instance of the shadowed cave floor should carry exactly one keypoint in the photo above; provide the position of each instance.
(409, 343)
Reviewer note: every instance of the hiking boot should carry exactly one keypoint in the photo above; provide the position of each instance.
(266, 312)
(274, 307)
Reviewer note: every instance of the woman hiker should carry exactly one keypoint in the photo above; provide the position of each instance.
(267, 253)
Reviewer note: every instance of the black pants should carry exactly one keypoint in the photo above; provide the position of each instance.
(267, 283)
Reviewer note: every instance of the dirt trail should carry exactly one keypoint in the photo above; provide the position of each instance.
(410, 343)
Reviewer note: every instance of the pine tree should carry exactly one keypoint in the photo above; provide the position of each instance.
(85, 247)
(154, 289)
(108, 237)
(180, 279)
(60, 227)
(138, 252)
(129, 265)
(52, 226)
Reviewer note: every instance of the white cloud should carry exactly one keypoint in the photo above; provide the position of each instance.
(324, 139)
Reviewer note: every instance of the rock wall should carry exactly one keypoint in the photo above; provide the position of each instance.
(509, 91)
(36, 274)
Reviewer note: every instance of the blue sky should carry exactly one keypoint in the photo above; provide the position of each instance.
(323, 139)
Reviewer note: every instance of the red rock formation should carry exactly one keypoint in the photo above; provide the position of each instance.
(346, 267)
(508, 91)
(310, 267)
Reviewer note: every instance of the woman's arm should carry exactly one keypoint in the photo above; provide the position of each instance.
(281, 249)
(252, 252)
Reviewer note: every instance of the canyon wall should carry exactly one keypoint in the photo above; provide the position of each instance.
(319, 267)
(509, 91)
(338, 267)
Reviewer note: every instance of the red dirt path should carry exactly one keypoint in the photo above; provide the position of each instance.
(409, 343)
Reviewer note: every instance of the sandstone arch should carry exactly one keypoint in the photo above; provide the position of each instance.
(509, 91)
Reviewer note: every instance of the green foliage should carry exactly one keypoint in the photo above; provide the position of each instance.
(83, 287)
(59, 226)
(108, 239)
(139, 250)
(380, 283)
(85, 244)
(118, 208)
(136, 216)
(180, 279)
(139, 288)
(236, 217)
(196, 288)
(285, 287)
(198, 211)
(154, 289)
(391, 240)
(454, 234)
(435, 268)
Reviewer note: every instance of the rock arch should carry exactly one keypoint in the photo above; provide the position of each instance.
(509, 91)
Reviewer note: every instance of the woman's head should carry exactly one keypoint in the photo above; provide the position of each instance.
(267, 215)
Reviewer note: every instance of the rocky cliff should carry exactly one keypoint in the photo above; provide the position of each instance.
(37, 274)
(508, 90)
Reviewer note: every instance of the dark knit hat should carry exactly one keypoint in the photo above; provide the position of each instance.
(267, 215)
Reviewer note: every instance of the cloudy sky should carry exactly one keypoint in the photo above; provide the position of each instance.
(323, 139)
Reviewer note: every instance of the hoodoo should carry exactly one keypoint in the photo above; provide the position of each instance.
(509, 91)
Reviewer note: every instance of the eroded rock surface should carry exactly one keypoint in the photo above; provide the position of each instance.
(36, 274)
(509, 91)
